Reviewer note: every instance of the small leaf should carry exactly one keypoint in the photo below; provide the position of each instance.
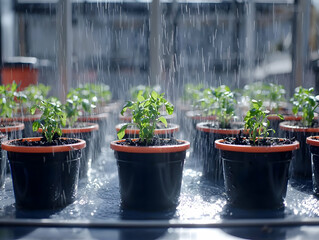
(163, 120)
(121, 133)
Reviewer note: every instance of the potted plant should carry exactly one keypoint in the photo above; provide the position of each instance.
(98, 98)
(8, 103)
(304, 104)
(32, 94)
(74, 106)
(45, 170)
(207, 132)
(150, 169)
(256, 168)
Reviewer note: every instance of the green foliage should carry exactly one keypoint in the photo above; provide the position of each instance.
(256, 122)
(76, 103)
(100, 91)
(193, 92)
(35, 93)
(10, 99)
(207, 101)
(270, 94)
(144, 90)
(146, 114)
(224, 108)
(304, 101)
(52, 119)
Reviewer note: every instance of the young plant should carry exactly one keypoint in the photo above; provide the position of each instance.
(146, 91)
(146, 114)
(269, 93)
(52, 118)
(207, 102)
(304, 101)
(101, 92)
(35, 93)
(256, 122)
(224, 108)
(75, 104)
(10, 99)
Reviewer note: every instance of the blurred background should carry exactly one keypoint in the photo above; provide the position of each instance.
(170, 43)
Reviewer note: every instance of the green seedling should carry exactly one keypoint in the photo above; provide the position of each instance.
(146, 114)
(53, 118)
(76, 103)
(256, 122)
(10, 99)
(224, 108)
(305, 102)
(35, 93)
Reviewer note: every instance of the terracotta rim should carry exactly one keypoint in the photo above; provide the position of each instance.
(17, 127)
(22, 118)
(286, 118)
(196, 115)
(200, 127)
(287, 127)
(90, 128)
(313, 141)
(94, 117)
(171, 129)
(45, 149)
(153, 149)
(219, 144)
(128, 118)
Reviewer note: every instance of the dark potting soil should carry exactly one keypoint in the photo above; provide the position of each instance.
(154, 142)
(240, 140)
(78, 125)
(217, 125)
(43, 142)
(7, 124)
(314, 124)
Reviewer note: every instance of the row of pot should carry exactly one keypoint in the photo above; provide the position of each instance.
(47, 177)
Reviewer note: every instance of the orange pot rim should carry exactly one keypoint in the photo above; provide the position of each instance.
(150, 149)
(286, 117)
(22, 118)
(285, 126)
(92, 127)
(42, 149)
(173, 128)
(17, 127)
(219, 144)
(313, 141)
(196, 115)
(128, 118)
(94, 117)
(200, 127)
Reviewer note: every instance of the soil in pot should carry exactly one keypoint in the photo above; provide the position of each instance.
(204, 148)
(44, 176)
(301, 161)
(88, 132)
(161, 131)
(256, 177)
(150, 177)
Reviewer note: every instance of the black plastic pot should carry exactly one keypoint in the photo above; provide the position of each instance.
(150, 181)
(256, 177)
(301, 161)
(3, 161)
(314, 149)
(89, 135)
(205, 150)
(99, 141)
(44, 180)
(167, 132)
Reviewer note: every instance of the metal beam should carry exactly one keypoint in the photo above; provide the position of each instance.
(64, 34)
